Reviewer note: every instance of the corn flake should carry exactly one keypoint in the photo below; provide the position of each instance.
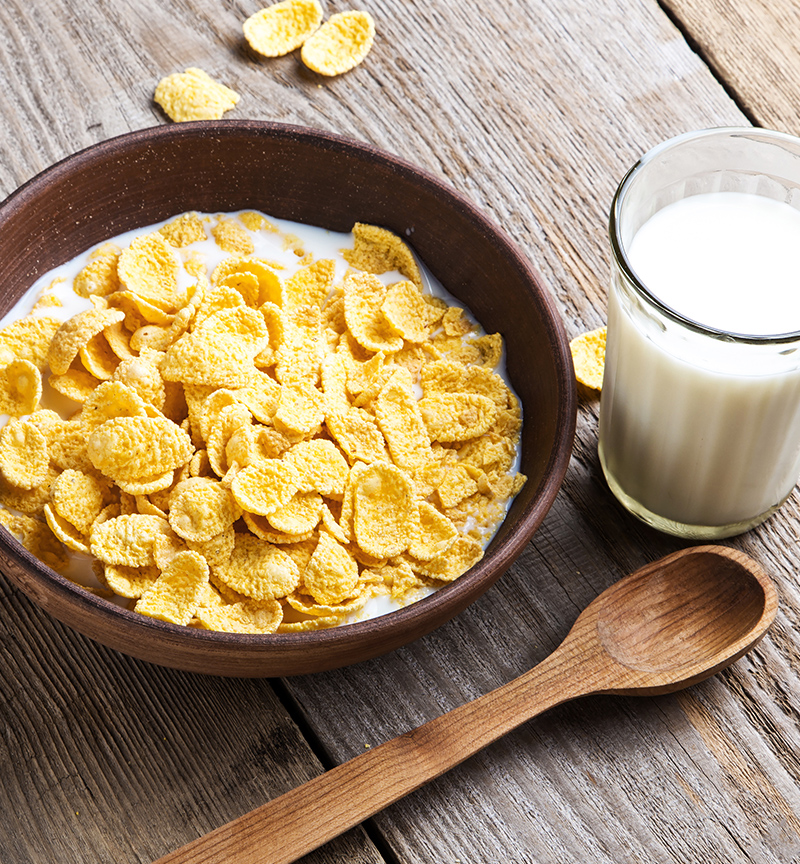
(176, 594)
(281, 28)
(28, 339)
(20, 388)
(340, 44)
(258, 570)
(331, 575)
(378, 250)
(384, 510)
(194, 95)
(589, 357)
(24, 457)
(251, 616)
(266, 486)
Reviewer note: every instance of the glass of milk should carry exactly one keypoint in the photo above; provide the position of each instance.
(700, 408)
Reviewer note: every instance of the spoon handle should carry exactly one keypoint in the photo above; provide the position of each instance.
(304, 818)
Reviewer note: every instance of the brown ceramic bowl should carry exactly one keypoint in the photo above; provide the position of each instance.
(315, 177)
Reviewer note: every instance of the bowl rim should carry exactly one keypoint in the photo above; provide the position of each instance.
(451, 598)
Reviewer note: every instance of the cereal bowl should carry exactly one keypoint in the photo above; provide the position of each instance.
(320, 179)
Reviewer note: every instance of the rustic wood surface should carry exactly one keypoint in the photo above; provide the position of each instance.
(534, 111)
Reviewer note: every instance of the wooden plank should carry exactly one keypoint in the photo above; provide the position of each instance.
(538, 127)
(105, 758)
(535, 115)
(752, 47)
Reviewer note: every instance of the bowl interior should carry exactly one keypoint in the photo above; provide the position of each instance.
(321, 179)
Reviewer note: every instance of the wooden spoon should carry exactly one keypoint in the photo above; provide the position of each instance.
(668, 625)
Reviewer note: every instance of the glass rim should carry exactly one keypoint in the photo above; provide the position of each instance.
(621, 257)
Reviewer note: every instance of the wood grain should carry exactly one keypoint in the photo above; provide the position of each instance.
(668, 625)
(752, 46)
(534, 111)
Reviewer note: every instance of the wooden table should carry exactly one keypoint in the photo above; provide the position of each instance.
(534, 110)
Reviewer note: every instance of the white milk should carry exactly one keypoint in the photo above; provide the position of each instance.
(698, 430)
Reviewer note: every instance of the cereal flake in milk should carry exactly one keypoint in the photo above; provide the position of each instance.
(433, 430)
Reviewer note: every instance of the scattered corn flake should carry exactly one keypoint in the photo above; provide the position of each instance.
(462, 554)
(405, 309)
(20, 388)
(309, 624)
(306, 605)
(127, 539)
(142, 376)
(67, 533)
(458, 483)
(589, 357)
(97, 357)
(24, 457)
(28, 339)
(194, 95)
(331, 575)
(209, 359)
(269, 284)
(265, 487)
(384, 510)
(246, 325)
(299, 355)
(378, 250)
(435, 534)
(188, 228)
(217, 550)
(340, 44)
(99, 277)
(258, 569)
(35, 535)
(455, 322)
(176, 594)
(252, 616)
(490, 348)
(256, 221)
(311, 285)
(300, 408)
(281, 28)
(260, 527)
(357, 433)
(334, 384)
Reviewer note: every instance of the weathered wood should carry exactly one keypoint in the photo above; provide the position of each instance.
(752, 47)
(105, 758)
(535, 111)
(670, 624)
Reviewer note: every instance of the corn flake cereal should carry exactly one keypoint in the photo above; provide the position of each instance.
(282, 27)
(194, 95)
(589, 357)
(260, 441)
(340, 44)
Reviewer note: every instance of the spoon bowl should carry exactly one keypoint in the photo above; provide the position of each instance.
(668, 625)
(685, 617)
